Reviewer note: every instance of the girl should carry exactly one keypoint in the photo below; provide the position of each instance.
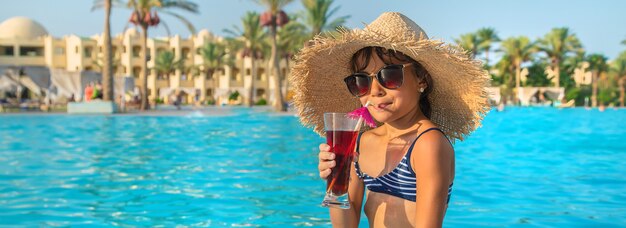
(420, 92)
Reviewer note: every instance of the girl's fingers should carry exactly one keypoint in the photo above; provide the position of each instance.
(324, 147)
(326, 156)
(324, 165)
(324, 174)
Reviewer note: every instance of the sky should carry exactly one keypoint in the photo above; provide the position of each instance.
(599, 24)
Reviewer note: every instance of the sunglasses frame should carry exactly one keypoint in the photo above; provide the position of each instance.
(378, 77)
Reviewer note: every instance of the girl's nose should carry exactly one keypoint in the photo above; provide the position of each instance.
(377, 90)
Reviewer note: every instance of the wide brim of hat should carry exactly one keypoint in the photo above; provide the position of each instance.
(459, 99)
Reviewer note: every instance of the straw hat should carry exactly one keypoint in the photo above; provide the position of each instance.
(458, 98)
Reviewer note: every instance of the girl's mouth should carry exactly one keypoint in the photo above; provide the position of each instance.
(381, 107)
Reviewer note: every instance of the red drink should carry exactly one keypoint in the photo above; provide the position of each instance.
(342, 144)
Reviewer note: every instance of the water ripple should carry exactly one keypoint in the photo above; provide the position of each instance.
(251, 168)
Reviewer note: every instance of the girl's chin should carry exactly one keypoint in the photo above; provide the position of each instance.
(382, 117)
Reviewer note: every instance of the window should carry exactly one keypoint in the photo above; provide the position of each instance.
(234, 73)
(260, 93)
(209, 92)
(7, 51)
(136, 51)
(124, 49)
(259, 74)
(31, 51)
(59, 50)
(186, 53)
(136, 71)
(248, 71)
(88, 51)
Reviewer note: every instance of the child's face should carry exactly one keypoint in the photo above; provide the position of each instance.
(390, 105)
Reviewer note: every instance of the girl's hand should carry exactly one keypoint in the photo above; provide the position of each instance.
(326, 162)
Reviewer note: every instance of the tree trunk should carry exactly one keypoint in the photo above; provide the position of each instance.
(285, 81)
(278, 96)
(518, 67)
(216, 84)
(557, 71)
(107, 75)
(622, 91)
(250, 97)
(144, 68)
(594, 89)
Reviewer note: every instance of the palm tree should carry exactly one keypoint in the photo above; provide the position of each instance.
(275, 18)
(291, 39)
(253, 37)
(214, 56)
(107, 75)
(518, 50)
(619, 67)
(166, 63)
(486, 38)
(470, 42)
(557, 44)
(317, 14)
(597, 66)
(144, 14)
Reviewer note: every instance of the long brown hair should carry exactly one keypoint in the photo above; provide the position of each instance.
(386, 55)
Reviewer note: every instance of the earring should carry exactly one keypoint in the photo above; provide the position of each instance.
(422, 90)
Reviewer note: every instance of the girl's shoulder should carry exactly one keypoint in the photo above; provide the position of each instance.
(370, 138)
(432, 142)
(372, 134)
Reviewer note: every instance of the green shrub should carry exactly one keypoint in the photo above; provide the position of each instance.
(233, 96)
(261, 102)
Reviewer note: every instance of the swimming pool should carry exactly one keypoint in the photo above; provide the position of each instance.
(525, 166)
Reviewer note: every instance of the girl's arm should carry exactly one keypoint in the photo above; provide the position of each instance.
(352, 216)
(432, 160)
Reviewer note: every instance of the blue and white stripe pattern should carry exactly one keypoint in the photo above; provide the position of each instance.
(400, 182)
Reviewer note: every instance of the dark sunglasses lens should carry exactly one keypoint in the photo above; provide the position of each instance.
(358, 85)
(391, 77)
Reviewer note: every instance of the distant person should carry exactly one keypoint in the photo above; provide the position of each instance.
(88, 92)
(97, 92)
(136, 95)
(178, 100)
(72, 98)
(196, 98)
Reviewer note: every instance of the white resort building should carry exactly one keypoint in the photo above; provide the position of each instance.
(71, 62)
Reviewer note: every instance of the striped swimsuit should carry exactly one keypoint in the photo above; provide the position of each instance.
(400, 182)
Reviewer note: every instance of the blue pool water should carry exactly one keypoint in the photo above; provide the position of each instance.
(525, 166)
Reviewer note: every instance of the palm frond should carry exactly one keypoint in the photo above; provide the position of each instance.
(180, 4)
(182, 19)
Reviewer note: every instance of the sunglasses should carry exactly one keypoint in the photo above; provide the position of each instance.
(390, 77)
